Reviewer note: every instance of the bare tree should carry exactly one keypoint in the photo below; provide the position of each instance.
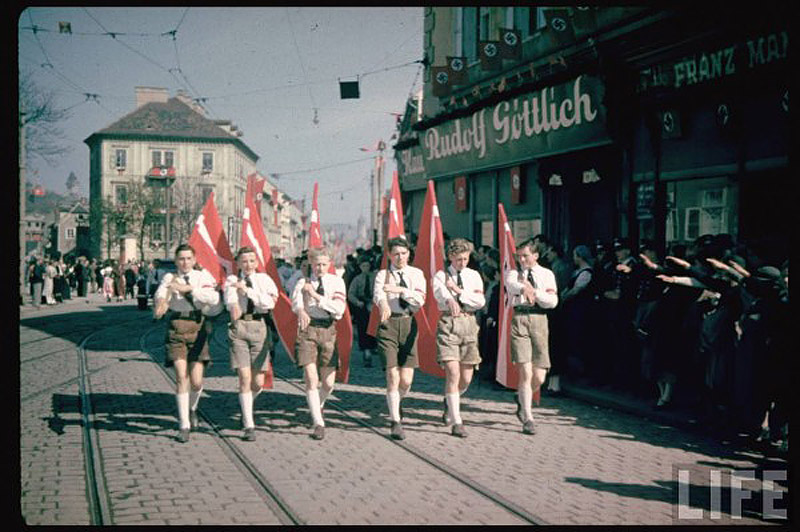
(115, 218)
(39, 116)
(188, 200)
(72, 183)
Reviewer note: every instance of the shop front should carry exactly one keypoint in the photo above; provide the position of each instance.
(508, 153)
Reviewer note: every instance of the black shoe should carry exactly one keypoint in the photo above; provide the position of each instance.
(458, 430)
(528, 427)
(250, 434)
(397, 431)
(519, 409)
(183, 435)
(194, 420)
(319, 432)
(444, 414)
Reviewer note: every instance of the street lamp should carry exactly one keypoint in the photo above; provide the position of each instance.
(163, 177)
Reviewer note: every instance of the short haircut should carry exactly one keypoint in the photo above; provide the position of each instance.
(397, 241)
(534, 244)
(315, 253)
(459, 245)
(184, 247)
(243, 250)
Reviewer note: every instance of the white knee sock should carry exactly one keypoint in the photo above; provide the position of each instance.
(313, 405)
(246, 402)
(194, 398)
(453, 408)
(393, 400)
(525, 396)
(183, 409)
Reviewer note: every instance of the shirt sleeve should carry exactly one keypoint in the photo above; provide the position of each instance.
(581, 283)
(161, 292)
(378, 295)
(231, 294)
(440, 290)
(297, 296)
(415, 294)
(335, 304)
(547, 294)
(513, 285)
(472, 295)
(265, 294)
(206, 292)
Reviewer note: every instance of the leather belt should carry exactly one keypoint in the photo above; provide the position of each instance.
(401, 314)
(321, 322)
(529, 310)
(194, 315)
(252, 317)
(463, 312)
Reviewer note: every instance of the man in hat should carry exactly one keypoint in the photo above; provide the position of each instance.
(620, 308)
(319, 302)
(458, 290)
(250, 297)
(399, 291)
(191, 296)
(532, 291)
(360, 297)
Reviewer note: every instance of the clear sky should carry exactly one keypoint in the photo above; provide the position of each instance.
(273, 71)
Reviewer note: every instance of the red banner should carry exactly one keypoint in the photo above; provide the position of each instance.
(285, 319)
(255, 190)
(210, 243)
(314, 234)
(429, 257)
(460, 191)
(275, 205)
(395, 228)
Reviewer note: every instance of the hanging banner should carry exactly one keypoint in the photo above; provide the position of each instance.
(516, 185)
(460, 191)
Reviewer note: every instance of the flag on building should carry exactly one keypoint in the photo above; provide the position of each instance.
(490, 55)
(559, 25)
(457, 70)
(210, 243)
(255, 189)
(394, 228)
(285, 320)
(510, 43)
(460, 192)
(440, 80)
(344, 326)
(429, 257)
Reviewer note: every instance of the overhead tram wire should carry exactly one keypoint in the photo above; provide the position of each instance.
(302, 66)
(49, 62)
(321, 168)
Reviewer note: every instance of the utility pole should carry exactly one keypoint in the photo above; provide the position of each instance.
(379, 192)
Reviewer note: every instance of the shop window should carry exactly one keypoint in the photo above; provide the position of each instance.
(525, 229)
(692, 229)
(157, 231)
(699, 207)
(487, 233)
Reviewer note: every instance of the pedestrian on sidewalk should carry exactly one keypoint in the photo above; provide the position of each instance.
(319, 302)
(360, 297)
(399, 292)
(191, 296)
(37, 282)
(458, 290)
(532, 291)
(49, 282)
(250, 297)
(108, 281)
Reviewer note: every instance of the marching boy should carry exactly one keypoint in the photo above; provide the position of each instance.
(459, 294)
(250, 297)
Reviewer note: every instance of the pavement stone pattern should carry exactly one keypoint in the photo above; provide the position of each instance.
(585, 465)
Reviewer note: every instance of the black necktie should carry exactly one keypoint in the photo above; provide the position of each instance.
(251, 307)
(320, 289)
(459, 282)
(530, 278)
(188, 295)
(402, 283)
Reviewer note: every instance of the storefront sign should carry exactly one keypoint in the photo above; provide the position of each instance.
(718, 63)
(553, 119)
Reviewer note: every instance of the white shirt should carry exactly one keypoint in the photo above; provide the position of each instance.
(472, 297)
(264, 293)
(413, 294)
(204, 293)
(331, 305)
(546, 292)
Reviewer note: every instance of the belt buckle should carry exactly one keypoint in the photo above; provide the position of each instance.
(247, 317)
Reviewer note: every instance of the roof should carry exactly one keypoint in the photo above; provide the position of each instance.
(171, 120)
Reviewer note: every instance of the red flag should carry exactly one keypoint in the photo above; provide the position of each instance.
(395, 228)
(314, 234)
(255, 189)
(285, 319)
(344, 326)
(275, 206)
(429, 257)
(210, 243)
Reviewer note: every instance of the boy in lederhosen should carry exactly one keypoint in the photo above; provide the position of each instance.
(319, 301)
(399, 292)
(458, 290)
(532, 290)
(250, 297)
(190, 295)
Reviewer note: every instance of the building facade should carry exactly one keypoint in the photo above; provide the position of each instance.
(594, 122)
(174, 137)
(69, 231)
